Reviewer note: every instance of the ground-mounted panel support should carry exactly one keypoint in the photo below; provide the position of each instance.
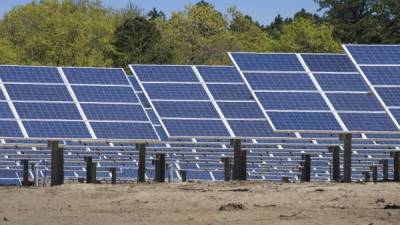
(237, 159)
(347, 139)
(113, 172)
(57, 163)
(141, 177)
(227, 168)
(306, 168)
(25, 174)
(243, 166)
(367, 176)
(160, 168)
(183, 174)
(89, 167)
(396, 166)
(335, 150)
(374, 170)
(385, 169)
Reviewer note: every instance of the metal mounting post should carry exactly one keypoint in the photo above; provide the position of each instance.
(347, 157)
(142, 162)
(335, 150)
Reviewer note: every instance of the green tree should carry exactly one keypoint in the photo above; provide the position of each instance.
(363, 21)
(305, 35)
(135, 42)
(198, 35)
(51, 32)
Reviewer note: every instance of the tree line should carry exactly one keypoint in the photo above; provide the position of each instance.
(86, 33)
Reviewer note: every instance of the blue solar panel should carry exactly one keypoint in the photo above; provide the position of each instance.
(29, 92)
(114, 112)
(176, 91)
(280, 81)
(230, 92)
(219, 74)
(186, 109)
(355, 102)
(113, 130)
(47, 111)
(5, 111)
(341, 82)
(105, 94)
(396, 113)
(153, 117)
(107, 76)
(378, 75)
(292, 101)
(375, 54)
(30, 74)
(328, 63)
(241, 110)
(390, 96)
(267, 62)
(368, 122)
(56, 129)
(317, 121)
(143, 100)
(193, 128)
(135, 83)
(10, 129)
(248, 128)
(165, 73)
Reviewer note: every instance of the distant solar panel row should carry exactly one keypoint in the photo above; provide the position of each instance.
(71, 103)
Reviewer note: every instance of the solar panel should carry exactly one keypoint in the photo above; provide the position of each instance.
(62, 103)
(180, 101)
(380, 66)
(325, 86)
(109, 104)
(236, 103)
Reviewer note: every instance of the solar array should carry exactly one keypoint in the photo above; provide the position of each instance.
(321, 93)
(71, 103)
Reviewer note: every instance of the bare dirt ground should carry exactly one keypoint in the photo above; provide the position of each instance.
(249, 203)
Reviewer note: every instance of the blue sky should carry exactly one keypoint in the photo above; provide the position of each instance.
(263, 11)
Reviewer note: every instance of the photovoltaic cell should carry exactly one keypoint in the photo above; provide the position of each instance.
(10, 129)
(230, 92)
(267, 62)
(318, 121)
(5, 111)
(355, 102)
(341, 82)
(245, 128)
(56, 129)
(328, 63)
(116, 112)
(280, 81)
(135, 83)
(30, 74)
(390, 96)
(241, 110)
(107, 76)
(378, 75)
(105, 94)
(165, 73)
(28, 92)
(292, 101)
(219, 74)
(368, 122)
(132, 131)
(375, 54)
(193, 128)
(176, 91)
(186, 109)
(47, 111)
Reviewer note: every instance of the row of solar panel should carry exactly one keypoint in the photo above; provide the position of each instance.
(68, 103)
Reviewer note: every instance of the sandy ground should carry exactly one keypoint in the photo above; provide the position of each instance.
(202, 203)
